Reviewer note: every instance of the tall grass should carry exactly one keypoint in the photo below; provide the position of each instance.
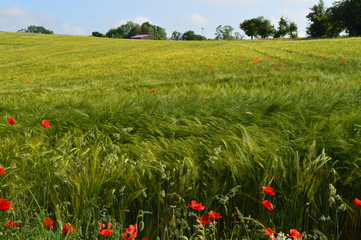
(224, 115)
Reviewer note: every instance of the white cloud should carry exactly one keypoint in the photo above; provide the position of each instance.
(293, 14)
(115, 21)
(16, 18)
(196, 19)
(65, 28)
(118, 23)
(140, 20)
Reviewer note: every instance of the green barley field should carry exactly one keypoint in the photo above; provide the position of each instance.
(141, 128)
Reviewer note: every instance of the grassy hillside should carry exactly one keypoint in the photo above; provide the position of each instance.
(151, 125)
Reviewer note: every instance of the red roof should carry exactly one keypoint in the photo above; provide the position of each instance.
(140, 36)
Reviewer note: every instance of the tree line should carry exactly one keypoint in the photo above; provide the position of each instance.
(131, 29)
(254, 28)
(262, 28)
(342, 16)
(36, 29)
(330, 22)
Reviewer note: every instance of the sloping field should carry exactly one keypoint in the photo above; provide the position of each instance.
(147, 126)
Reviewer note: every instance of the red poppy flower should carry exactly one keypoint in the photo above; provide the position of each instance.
(5, 205)
(145, 239)
(2, 170)
(295, 234)
(68, 228)
(196, 206)
(154, 90)
(12, 121)
(215, 215)
(45, 124)
(12, 224)
(267, 204)
(269, 232)
(269, 190)
(131, 232)
(342, 86)
(105, 231)
(205, 220)
(357, 202)
(49, 223)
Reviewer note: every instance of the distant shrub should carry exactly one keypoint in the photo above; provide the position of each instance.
(98, 34)
(36, 29)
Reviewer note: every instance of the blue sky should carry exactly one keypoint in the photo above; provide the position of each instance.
(82, 17)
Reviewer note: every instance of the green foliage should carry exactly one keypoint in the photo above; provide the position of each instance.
(265, 28)
(322, 22)
(257, 27)
(176, 36)
(135, 30)
(190, 35)
(238, 36)
(156, 31)
(124, 31)
(224, 33)
(249, 27)
(318, 19)
(347, 12)
(220, 119)
(115, 33)
(98, 34)
(285, 27)
(131, 29)
(36, 29)
(293, 30)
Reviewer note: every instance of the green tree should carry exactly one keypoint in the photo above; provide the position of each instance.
(115, 33)
(257, 27)
(224, 33)
(323, 22)
(318, 19)
(283, 28)
(238, 36)
(286, 27)
(348, 14)
(190, 35)
(36, 29)
(135, 30)
(293, 30)
(265, 28)
(123, 31)
(147, 28)
(98, 34)
(250, 28)
(158, 32)
(176, 36)
(131, 29)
